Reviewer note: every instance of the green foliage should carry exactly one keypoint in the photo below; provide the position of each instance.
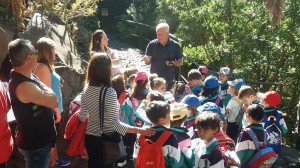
(69, 9)
(238, 34)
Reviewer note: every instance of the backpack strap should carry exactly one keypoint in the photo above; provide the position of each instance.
(237, 101)
(122, 97)
(160, 141)
(163, 138)
(252, 135)
(218, 100)
(101, 106)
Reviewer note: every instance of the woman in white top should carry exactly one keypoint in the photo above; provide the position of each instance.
(98, 76)
(99, 43)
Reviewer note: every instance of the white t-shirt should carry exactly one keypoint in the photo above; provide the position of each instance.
(234, 106)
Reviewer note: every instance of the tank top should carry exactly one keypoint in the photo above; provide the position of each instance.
(55, 86)
(35, 123)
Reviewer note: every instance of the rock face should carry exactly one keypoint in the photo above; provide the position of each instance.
(69, 64)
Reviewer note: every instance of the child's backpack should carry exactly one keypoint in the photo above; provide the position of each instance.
(75, 105)
(264, 155)
(227, 144)
(150, 153)
(126, 114)
(272, 127)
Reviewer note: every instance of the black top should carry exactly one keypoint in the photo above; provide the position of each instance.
(160, 54)
(35, 123)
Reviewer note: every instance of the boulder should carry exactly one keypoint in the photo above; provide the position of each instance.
(69, 64)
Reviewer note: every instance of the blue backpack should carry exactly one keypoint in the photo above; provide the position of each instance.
(272, 126)
(264, 155)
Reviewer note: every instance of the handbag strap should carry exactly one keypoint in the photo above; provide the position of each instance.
(102, 94)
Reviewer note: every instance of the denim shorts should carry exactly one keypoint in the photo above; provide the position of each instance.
(37, 158)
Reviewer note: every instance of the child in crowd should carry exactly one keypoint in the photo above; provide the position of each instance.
(140, 90)
(177, 117)
(130, 70)
(191, 102)
(233, 108)
(204, 71)
(248, 97)
(195, 81)
(130, 82)
(273, 119)
(140, 112)
(139, 93)
(158, 113)
(210, 92)
(180, 90)
(223, 78)
(245, 147)
(226, 143)
(208, 153)
(126, 114)
(158, 84)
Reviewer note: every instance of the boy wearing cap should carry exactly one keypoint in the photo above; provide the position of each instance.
(208, 153)
(274, 122)
(210, 92)
(158, 112)
(223, 78)
(177, 117)
(195, 81)
(233, 108)
(191, 102)
(248, 97)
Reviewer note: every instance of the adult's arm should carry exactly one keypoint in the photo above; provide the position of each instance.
(28, 92)
(114, 59)
(178, 55)
(112, 108)
(147, 59)
(178, 62)
(149, 53)
(44, 74)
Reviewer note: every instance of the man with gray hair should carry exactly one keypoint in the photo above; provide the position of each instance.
(31, 102)
(163, 54)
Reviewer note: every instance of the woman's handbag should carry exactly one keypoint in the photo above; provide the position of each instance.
(112, 144)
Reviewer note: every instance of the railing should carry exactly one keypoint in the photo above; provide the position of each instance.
(141, 38)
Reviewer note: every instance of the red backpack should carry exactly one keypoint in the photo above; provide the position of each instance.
(150, 154)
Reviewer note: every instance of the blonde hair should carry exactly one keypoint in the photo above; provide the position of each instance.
(157, 82)
(45, 46)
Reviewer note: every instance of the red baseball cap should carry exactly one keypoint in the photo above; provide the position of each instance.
(272, 98)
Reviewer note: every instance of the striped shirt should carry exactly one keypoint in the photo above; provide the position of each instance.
(90, 106)
(208, 155)
(245, 147)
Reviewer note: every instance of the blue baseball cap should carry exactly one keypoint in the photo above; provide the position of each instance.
(238, 83)
(211, 82)
(210, 106)
(191, 100)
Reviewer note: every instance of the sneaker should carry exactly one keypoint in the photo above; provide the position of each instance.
(62, 163)
(121, 164)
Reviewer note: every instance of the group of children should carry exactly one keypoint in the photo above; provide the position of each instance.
(199, 124)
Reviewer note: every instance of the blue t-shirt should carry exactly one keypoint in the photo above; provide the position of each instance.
(55, 86)
(160, 54)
